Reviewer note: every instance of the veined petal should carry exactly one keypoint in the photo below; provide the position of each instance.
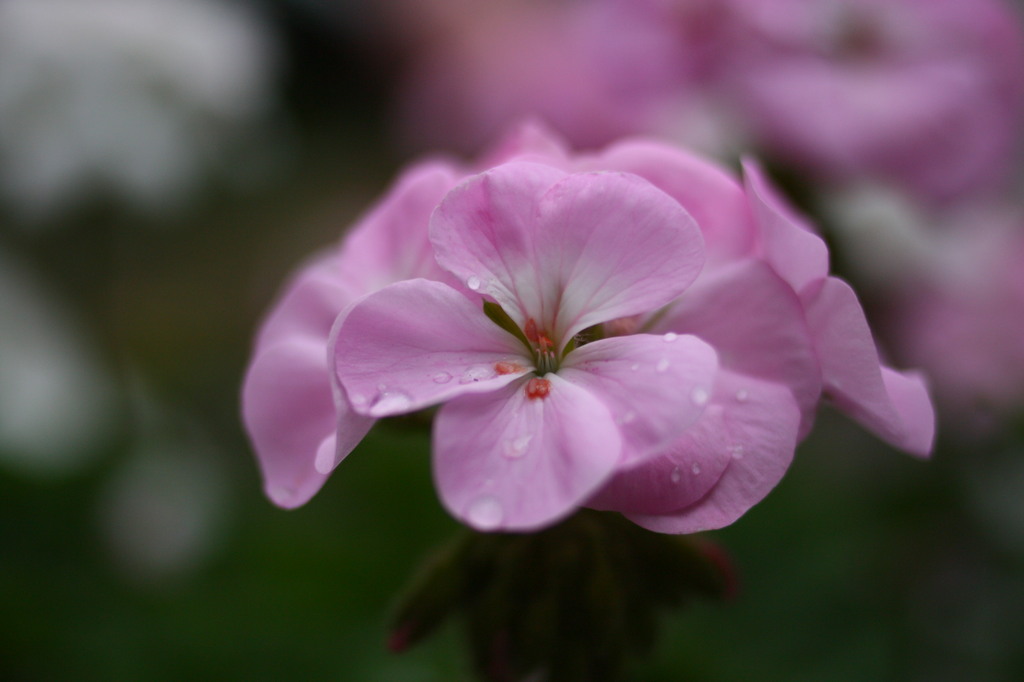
(417, 343)
(893, 405)
(569, 251)
(789, 245)
(763, 333)
(619, 246)
(505, 461)
(654, 386)
(293, 420)
(758, 437)
(483, 232)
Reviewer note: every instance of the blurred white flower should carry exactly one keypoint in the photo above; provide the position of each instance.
(137, 98)
(56, 402)
(163, 510)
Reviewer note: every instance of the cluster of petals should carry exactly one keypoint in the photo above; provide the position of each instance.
(633, 330)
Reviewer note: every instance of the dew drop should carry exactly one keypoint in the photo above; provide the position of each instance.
(485, 513)
(670, 337)
(662, 365)
(358, 399)
(635, 366)
(695, 469)
(474, 374)
(442, 378)
(737, 451)
(390, 402)
(742, 395)
(676, 475)
(473, 282)
(514, 448)
(699, 396)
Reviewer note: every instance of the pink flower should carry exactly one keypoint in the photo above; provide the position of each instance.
(925, 93)
(781, 328)
(632, 330)
(534, 421)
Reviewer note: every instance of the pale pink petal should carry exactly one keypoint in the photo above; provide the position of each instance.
(762, 332)
(757, 437)
(390, 243)
(292, 420)
(654, 386)
(308, 305)
(531, 140)
(570, 251)
(894, 406)
(418, 343)
(484, 234)
(619, 245)
(504, 461)
(708, 192)
(787, 241)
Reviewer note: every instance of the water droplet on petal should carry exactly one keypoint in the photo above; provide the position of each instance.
(662, 365)
(676, 475)
(442, 378)
(390, 402)
(742, 395)
(635, 366)
(670, 337)
(357, 399)
(737, 451)
(699, 396)
(473, 282)
(474, 374)
(695, 469)
(514, 448)
(485, 513)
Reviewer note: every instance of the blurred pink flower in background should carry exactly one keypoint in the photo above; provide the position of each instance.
(955, 292)
(784, 332)
(924, 93)
(589, 76)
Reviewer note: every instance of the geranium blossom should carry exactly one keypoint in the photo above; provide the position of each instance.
(633, 330)
(535, 421)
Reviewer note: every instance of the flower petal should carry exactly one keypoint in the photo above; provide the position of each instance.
(390, 243)
(764, 334)
(759, 435)
(787, 241)
(504, 461)
(417, 343)
(893, 405)
(708, 193)
(308, 305)
(654, 386)
(568, 250)
(293, 420)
